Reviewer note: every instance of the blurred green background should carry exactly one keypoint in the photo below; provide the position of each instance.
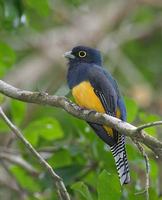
(33, 36)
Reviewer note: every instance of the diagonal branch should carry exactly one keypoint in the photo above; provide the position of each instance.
(57, 180)
(88, 115)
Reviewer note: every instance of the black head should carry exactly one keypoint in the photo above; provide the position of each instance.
(84, 54)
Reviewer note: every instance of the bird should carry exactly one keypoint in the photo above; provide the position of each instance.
(94, 88)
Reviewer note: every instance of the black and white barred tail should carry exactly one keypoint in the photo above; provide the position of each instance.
(119, 153)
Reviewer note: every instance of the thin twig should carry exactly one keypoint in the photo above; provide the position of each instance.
(140, 128)
(159, 164)
(147, 182)
(17, 159)
(57, 180)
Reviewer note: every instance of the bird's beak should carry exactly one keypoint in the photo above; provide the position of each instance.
(69, 54)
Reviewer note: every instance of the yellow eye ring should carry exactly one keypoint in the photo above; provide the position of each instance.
(82, 54)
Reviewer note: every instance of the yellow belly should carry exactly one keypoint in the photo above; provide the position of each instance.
(85, 96)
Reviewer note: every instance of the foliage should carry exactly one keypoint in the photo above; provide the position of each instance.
(68, 144)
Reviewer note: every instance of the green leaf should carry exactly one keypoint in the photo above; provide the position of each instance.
(132, 109)
(52, 129)
(48, 128)
(131, 151)
(41, 6)
(144, 14)
(32, 135)
(108, 186)
(60, 159)
(83, 190)
(11, 13)
(7, 58)
(154, 169)
(70, 173)
(24, 179)
(18, 110)
(2, 99)
(3, 127)
(147, 118)
(153, 193)
(7, 55)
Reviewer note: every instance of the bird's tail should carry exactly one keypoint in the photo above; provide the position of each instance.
(119, 153)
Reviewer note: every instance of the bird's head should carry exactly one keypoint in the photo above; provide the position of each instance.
(83, 54)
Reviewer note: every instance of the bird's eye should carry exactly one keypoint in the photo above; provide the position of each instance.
(82, 54)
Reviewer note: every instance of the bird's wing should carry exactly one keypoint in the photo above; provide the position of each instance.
(120, 103)
(105, 91)
(109, 105)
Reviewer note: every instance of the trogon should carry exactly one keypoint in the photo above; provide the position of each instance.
(94, 88)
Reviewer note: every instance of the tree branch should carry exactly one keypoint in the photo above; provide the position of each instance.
(88, 115)
(157, 123)
(58, 181)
